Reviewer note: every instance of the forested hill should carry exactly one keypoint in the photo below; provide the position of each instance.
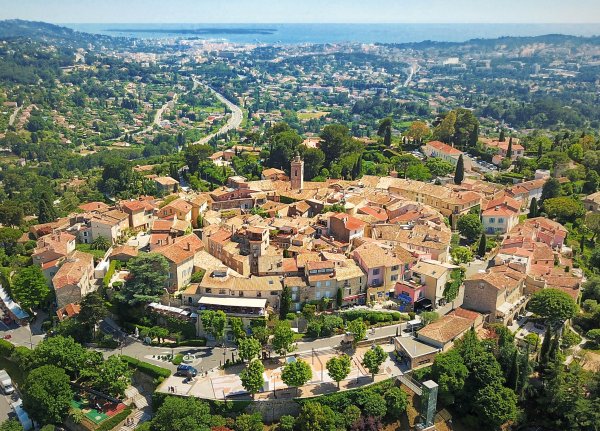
(508, 41)
(15, 29)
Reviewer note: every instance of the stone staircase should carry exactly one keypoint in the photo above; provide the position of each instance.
(142, 407)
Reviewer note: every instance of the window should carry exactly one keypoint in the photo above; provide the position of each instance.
(241, 293)
(274, 292)
(395, 268)
(258, 294)
(327, 283)
(318, 295)
(394, 278)
(318, 284)
(208, 290)
(500, 220)
(376, 271)
(221, 291)
(492, 220)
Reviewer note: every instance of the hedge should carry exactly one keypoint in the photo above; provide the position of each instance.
(6, 348)
(109, 274)
(147, 368)
(111, 423)
(373, 316)
(229, 408)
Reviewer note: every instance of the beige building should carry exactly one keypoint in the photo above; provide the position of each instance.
(181, 256)
(497, 293)
(110, 225)
(74, 279)
(433, 276)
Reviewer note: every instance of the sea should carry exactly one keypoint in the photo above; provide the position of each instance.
(334, 33)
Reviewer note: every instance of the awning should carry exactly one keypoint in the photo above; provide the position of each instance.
(505, 308)
(352, 297)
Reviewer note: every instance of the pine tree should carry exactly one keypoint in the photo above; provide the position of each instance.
(533, 209)
(481, 249)
(582, 243)
(46, 211)
(459, 174)
(509, 149)
(540, 150)
(545, 349)
(512, 379)
(502, 136)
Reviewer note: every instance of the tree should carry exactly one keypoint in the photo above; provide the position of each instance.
(93, 310)
(63, 352)
(46, 211)
(112, 377)
(428, 317)
(338, 368)
(418, 172)
(439, 167)
(512, 379)
(459, 173)
(358, 328)
(100, 243)
(533, 208)
(509, 151)
(47, 394)
(195, 154)
(29, 287)
(450, 373)
(470, 226)
(482, 247)
(11, 425)
(502, 137)
(397, 402)
(372, 360)
(445, 130)
(248, 348)
(286, 423)
(283, 338)
(553, 305)
(285, 304)
(545, 349)
(314, 159)
(237, 328)
(252, 377)
(496, 404)
(316, 417)
(461, 255)
(551, 189)
(592, 222)
(148, 276)
(296, 373)
(214, 323)
(183, 414)
(564, 209)
(594, 336)
(417, 131)
(385, 131)
(335, 139)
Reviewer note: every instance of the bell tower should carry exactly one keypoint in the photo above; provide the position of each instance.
(297, 173)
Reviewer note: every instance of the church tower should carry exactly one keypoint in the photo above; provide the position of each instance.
(297, 173)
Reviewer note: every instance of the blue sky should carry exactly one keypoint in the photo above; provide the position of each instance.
(282, 11)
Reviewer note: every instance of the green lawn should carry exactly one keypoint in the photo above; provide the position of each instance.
(87, 248)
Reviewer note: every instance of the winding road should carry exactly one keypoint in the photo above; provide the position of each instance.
(234, 121)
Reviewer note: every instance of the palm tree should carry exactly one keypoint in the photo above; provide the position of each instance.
(101, 243)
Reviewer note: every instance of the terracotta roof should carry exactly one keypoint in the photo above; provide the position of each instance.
(378, 213)
(466, 314)
(179, 205)
(184, 248)
(133, 206)
(351, 223)
(446, 328)
(73, 269)
(500, 277)
(127, 250)
(374, 256)
(67, 311)
(445, 148)
(57, 242)
(166, 181)
(94, 206)
(161, 225)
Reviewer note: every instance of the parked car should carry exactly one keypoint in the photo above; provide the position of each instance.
(186, 370)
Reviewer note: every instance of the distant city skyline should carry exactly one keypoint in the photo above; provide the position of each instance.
(305, 11)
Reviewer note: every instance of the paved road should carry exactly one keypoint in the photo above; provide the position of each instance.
(13, 117)
(234, 121)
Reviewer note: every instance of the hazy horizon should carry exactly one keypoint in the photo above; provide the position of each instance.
(306, 12)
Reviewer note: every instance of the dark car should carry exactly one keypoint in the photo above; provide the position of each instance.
(186, 371)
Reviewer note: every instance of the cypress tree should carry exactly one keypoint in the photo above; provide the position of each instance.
(545, 349)
(502, 137)
(459, 174)
(509, 149)
(512, 380)
(554, 347)
(524, 372)
(540, 150)
(533, 209)
(482, 245)
(582, 243)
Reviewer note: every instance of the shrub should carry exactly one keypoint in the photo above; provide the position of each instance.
(290, 316)
(146, 368)
(178, 359)
(6, 348)
(286, 423)
(109, 274)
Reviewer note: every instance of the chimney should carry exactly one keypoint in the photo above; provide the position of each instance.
(188, 246)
